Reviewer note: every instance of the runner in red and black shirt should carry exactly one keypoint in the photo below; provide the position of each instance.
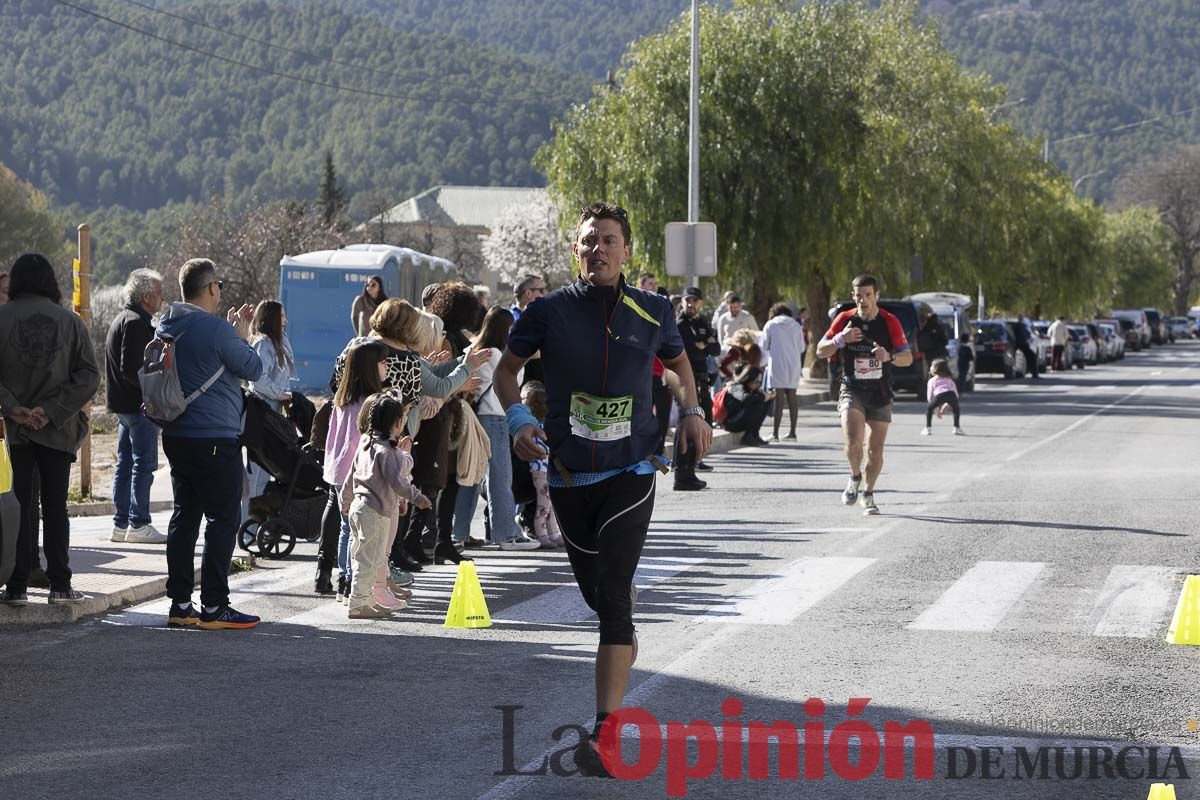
(867, 341)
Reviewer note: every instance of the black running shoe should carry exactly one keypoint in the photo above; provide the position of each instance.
(182, 617)
(588, 760)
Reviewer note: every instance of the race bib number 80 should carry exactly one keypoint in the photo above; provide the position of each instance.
(868, 369)
(601, 419)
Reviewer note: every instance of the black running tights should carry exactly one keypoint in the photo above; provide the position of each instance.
(605, 527)
(944, 397)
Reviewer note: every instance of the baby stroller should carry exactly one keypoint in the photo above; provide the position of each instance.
(293, 503)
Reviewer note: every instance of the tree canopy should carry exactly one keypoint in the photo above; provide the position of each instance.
(836, 138)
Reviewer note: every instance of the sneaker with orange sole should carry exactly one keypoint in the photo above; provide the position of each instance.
(226, 618)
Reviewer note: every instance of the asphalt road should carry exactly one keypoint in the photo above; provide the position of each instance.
(1014, 594)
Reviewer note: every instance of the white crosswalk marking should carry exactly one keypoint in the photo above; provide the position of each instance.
(1133, 602)
(981, 598)
(779, 600)
(565, 604)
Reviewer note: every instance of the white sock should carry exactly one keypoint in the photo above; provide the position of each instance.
(183, 606)
(210, 609)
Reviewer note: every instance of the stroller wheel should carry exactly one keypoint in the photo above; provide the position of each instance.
(248, 535)
(276, 539)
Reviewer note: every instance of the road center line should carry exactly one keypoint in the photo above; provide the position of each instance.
(1075, 424)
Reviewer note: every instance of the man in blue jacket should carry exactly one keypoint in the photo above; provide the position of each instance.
(202, 446)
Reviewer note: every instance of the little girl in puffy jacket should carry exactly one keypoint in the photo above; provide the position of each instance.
(377, 492)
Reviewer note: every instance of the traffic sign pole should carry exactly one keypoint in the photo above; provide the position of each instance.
(694, 145)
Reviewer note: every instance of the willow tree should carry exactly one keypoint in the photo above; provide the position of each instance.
(835, 138)
(780, 119)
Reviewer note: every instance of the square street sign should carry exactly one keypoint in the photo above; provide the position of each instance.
(704, 234)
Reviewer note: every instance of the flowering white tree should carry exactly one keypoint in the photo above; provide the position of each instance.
(526, 238)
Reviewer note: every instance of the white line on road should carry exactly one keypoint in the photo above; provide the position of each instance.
(780, 599)
(981, 598)
(1075, 424)
(565, 605)
(1134, 601)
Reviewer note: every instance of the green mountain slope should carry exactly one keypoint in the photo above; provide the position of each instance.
(1088, 67)
(577, 35)
(96, 114)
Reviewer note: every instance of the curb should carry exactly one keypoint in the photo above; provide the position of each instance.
(104, 508)
(724, 441)
(40, 614)
(45, 614)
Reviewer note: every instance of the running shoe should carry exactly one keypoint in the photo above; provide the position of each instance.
(520, 543)
(182, 617)
(368, 611)
(145, 534)
(702, 467)
(851, 494)
(926, 431)
(226, 617)
(867, 501)
(16, 599)
(588, 760)
(399, 576)
(959, 432)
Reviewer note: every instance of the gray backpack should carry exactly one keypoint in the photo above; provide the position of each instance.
(163, 400)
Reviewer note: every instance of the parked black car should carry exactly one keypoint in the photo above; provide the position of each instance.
(996, 349)
(1158, 330)
(911, 313)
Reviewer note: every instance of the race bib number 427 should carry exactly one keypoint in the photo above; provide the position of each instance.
(601, 419)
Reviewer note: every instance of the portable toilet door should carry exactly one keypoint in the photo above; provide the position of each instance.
(318, 299)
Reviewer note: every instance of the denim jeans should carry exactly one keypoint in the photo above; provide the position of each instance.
(502, 510)
(137, 458)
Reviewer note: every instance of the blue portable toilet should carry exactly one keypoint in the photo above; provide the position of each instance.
(317, 290)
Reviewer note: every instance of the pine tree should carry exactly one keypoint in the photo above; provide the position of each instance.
(333, 197)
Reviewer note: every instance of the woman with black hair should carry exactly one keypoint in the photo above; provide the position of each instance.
(365, 304)
(275, 384)
(458, 307)
(498, 482)
(48, 376)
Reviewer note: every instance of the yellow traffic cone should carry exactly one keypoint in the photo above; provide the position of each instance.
(1162, 791)
(1185, 625)
(467, 609)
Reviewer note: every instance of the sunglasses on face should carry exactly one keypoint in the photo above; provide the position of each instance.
(218, 284)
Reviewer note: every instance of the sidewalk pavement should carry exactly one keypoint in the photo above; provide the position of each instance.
(117, 574)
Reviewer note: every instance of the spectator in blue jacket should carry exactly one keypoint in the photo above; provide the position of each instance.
(202, 446)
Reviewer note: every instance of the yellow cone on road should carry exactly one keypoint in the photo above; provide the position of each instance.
(1185, 625)
(1162, 791)
(467, 609)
